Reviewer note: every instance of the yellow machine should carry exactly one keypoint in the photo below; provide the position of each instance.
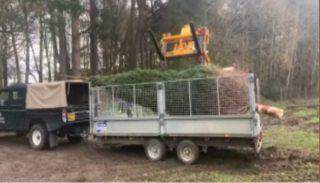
(189, 43)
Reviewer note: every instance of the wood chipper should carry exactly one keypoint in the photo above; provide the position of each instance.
(190, 42)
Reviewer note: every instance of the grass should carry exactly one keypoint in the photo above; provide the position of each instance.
(284, 138)
(232, 166)
(279, 104)
(313, 120)
(305, 113)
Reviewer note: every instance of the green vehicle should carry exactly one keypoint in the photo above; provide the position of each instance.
(44, 112)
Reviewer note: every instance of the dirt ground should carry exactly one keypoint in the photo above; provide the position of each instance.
(82, 162)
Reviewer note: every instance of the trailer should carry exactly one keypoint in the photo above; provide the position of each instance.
(186, 115)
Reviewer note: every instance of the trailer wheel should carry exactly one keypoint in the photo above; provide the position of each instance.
(38, 137)
(155, 150)
(188, 152)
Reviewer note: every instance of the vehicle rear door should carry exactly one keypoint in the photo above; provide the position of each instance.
(17, 111)
(4, 110)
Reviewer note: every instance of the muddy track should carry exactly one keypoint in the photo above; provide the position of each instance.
(81, 162)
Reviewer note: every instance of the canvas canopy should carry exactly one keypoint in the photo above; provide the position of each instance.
(47, 95)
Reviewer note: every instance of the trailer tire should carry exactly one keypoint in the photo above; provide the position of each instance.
(38, 137)
(155, 150)
(188, 152)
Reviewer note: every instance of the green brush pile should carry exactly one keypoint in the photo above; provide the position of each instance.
(233, 92)
(147, 75)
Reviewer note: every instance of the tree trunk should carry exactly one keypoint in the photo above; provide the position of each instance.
(64, 58)
(47, 56)
(75, 26)
(26, 34)
(94, 58)
(36, 64)
(16, 57)
(105, 57)
(53, 37)
(40, 50)
(4, 57)
(5, 66)
(130, 36)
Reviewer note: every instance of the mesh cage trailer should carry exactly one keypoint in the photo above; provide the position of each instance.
(187, 116)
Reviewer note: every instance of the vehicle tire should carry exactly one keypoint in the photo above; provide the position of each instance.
(188, 152)
(155, 150)
(38, 137)
(74, 139)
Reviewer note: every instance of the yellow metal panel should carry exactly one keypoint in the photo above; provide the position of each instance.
(183, 44)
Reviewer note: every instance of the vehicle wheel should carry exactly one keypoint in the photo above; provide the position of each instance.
(74, 139)
(38, 137)
(188, 152)
(155, 150)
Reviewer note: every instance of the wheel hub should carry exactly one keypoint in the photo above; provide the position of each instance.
(36, 137)
(154, 151)
(187, 153)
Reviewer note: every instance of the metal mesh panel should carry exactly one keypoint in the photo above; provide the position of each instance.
(204, 97)
(146, 100)
(208, 96)
(125, 101)
(177, 98)
(233, 95)
(102, 102)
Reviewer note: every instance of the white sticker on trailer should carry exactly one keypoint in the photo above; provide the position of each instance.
(101, 127)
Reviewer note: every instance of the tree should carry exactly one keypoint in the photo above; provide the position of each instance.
(41, 48)
(26, 34)
(11, 17)
(131, 38)
(53, 35)
(94, 57)
(276, 40)
(64, 57)
(48, 57)
(4, 57)
(75, 29)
